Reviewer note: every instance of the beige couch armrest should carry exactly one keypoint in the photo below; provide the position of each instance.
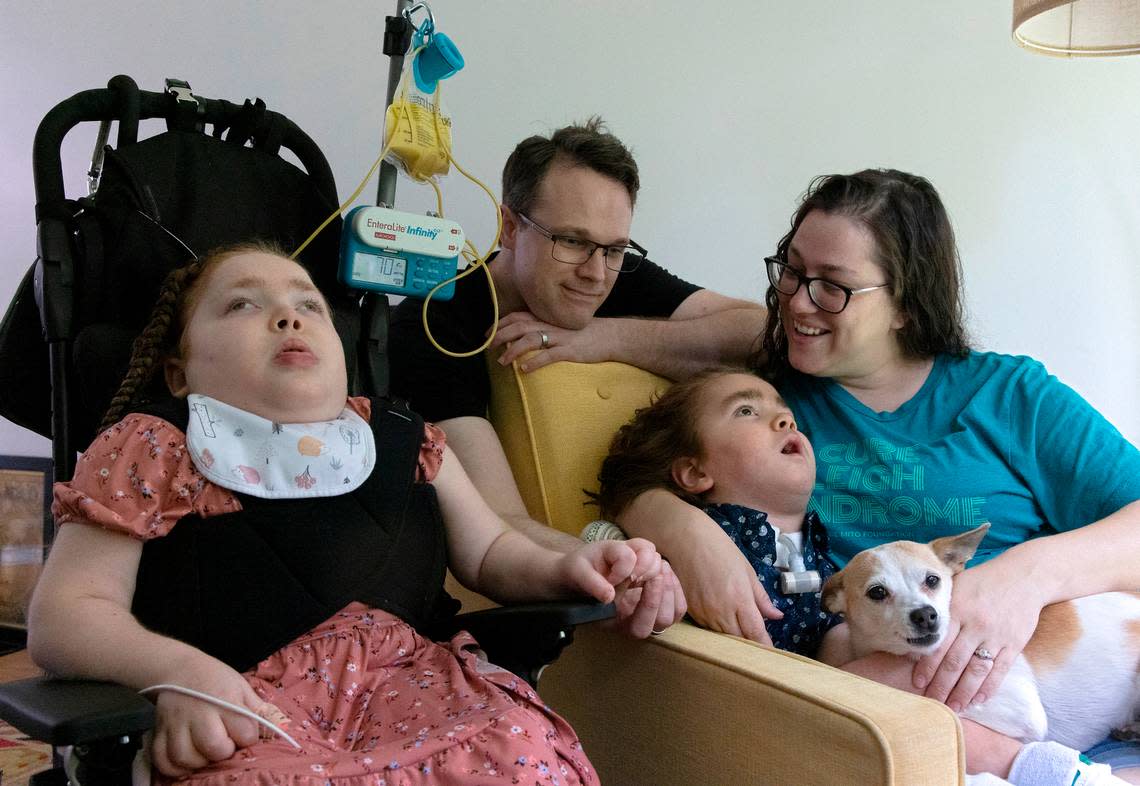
(696, 707)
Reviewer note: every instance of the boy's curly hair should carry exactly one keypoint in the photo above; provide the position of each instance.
(643, 451)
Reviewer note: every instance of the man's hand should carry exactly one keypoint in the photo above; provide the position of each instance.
(705, 329)
(521, 332)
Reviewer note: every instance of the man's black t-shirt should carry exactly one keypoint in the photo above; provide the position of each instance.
(440, 387)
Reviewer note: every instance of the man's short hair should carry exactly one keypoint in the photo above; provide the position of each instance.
(588, 144)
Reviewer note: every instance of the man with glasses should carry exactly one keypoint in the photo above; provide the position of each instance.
(570, 283)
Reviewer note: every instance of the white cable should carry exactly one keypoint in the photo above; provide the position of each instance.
(70, 764)
(225, 704)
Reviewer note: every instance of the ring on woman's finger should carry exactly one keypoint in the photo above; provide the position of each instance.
(981, 653)
(544, 340)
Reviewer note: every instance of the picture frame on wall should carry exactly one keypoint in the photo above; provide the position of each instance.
(25, 533)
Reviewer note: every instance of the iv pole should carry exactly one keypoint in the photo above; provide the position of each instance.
(372, 358)
(397, 38)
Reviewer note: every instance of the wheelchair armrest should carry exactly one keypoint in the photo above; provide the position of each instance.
(524, 639)
(74, 712)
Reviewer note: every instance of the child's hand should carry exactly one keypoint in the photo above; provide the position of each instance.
(190, 733)
(649, 607)
(597, 568)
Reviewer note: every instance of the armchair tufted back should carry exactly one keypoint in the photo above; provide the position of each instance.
(556, 424)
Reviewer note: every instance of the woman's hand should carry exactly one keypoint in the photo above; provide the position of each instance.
(993, 611)
(189, 732)
(721, 588)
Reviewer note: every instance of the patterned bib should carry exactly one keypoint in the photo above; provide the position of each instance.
(244, 452)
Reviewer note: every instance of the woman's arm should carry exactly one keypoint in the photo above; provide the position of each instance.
(1109, 547)
(489, 556)
(721, 588)
(998, 603)
(1078, 469)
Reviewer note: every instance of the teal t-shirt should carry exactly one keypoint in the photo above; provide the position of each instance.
(988, 437)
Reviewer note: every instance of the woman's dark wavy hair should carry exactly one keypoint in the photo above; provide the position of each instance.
(642, 452)
(162, 337)
(915, 246)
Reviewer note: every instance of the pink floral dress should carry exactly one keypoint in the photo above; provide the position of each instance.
(371, 702)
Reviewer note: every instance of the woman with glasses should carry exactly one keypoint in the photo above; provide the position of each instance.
(917, 436)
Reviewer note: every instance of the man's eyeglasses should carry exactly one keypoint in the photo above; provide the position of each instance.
(576, 251)
(827, 295)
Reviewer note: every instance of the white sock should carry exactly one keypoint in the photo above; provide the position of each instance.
(1053, 764)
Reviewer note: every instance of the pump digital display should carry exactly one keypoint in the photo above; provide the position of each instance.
(389, 271)
(386, 250)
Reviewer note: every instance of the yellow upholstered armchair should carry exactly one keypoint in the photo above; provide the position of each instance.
(692, 706)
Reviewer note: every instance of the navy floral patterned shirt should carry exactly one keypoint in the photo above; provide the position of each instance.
(804, 621)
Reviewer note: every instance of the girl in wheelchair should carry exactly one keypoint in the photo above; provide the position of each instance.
(265, 539)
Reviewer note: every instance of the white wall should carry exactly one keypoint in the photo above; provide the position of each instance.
(730, 112)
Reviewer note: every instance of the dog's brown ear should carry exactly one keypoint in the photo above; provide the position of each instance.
(833, 598)
(955, 550)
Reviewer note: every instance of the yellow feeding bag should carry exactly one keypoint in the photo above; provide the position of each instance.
(418, 135)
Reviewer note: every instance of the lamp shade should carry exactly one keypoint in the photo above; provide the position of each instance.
(1078, 28)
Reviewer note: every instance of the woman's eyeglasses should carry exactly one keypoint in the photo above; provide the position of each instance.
(827, 295)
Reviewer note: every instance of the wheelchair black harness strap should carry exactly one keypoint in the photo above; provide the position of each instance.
(241, 585)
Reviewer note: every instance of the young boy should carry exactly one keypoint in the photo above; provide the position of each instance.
(726, 442)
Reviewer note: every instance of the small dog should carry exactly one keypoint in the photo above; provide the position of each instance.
(1077, 679)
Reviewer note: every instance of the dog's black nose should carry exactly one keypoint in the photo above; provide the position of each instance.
(924, 619)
